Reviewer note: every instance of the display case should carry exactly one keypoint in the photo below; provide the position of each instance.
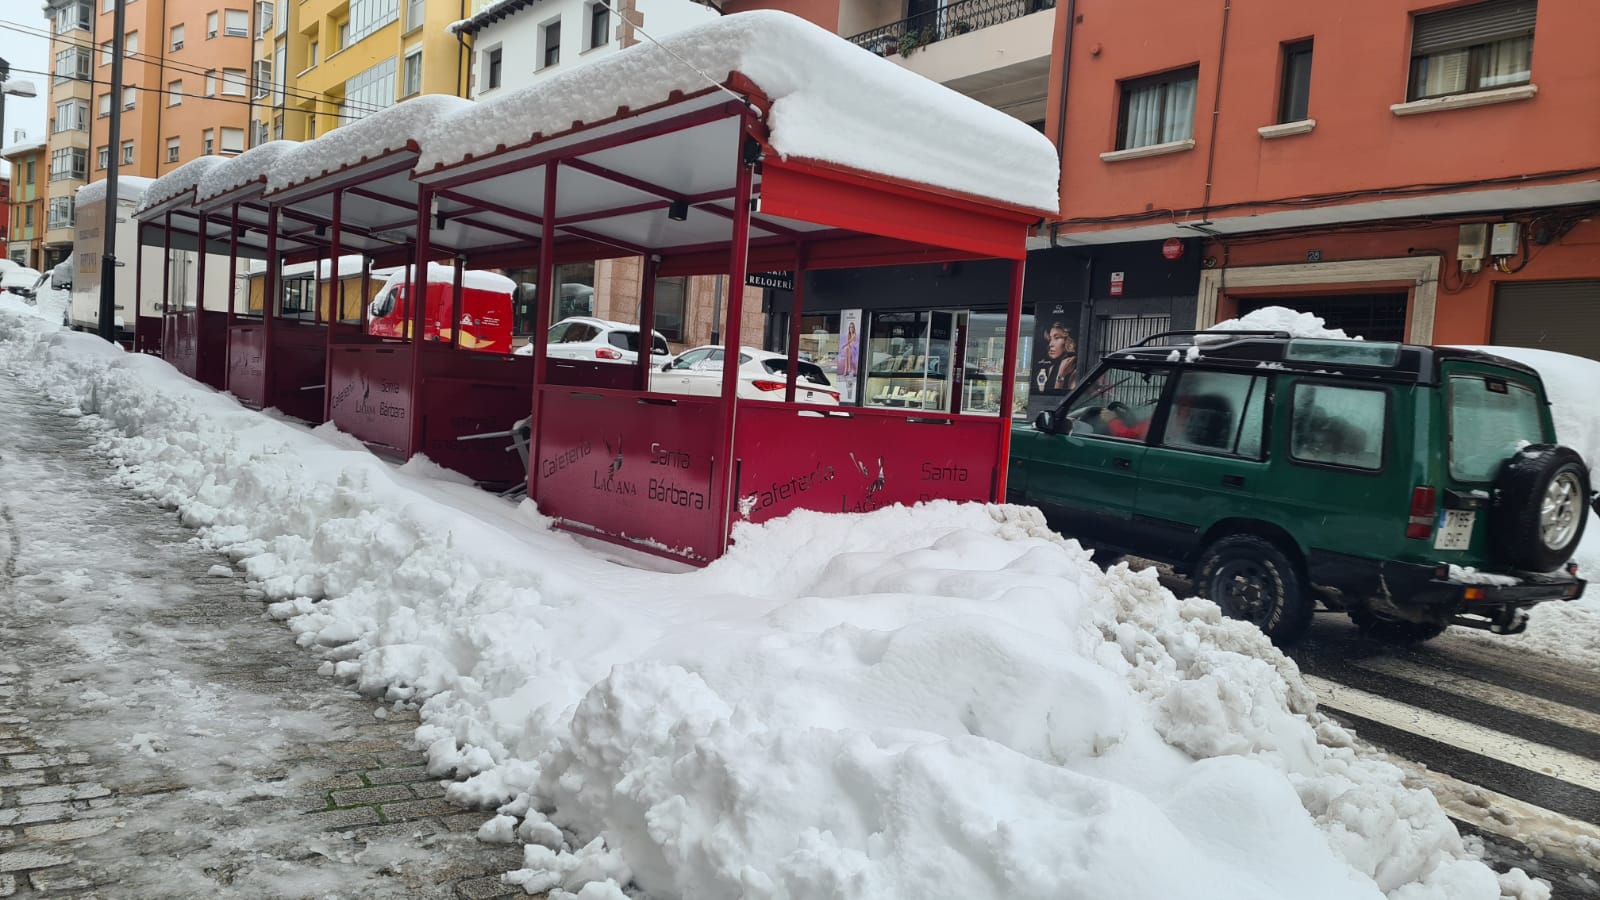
(908, 360)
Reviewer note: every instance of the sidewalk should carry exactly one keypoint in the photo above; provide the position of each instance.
(161, 737)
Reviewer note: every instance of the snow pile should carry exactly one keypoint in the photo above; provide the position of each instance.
(382, 132)
(828, 96)
(130, 189)
(941, 701)
(1278, 318)
(180, 180)
(249, 166)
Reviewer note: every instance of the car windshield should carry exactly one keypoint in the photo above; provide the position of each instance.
(809, 371)
(1490, 419)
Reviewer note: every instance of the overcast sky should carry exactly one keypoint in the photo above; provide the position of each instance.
(25, 51)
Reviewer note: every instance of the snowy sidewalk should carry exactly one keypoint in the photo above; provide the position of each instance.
(160, 737)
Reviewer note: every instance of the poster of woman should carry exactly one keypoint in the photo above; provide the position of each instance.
(1056, 369)
(848, 360)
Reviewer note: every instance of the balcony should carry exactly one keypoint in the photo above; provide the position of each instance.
(961, 17)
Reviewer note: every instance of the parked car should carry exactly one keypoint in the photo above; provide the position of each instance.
(485, 308)
(1409, 487)
(599, 340)
(19, 281)
(762, 376)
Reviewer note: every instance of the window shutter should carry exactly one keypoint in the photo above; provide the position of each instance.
(1468, 25)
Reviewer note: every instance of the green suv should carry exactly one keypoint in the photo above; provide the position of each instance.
(1410, 487)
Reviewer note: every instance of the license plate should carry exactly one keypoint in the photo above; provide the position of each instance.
(1455, 529)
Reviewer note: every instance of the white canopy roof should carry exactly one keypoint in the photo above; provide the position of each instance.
(180, 180)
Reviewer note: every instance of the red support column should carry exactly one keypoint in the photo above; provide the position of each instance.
(233, 265)
(335, 307)
(200, 300)
(166, 261)
(455, 304)
(738, 261)
(647, 318)
(1008, 387)
(795, 308)
(366, 290)
(269, 304)
(138, 287)
(419, 315)
(542, 293)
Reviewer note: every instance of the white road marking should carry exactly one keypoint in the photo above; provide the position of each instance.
(1494, 695)
(1526, 754)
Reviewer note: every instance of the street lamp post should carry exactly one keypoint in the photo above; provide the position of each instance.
(13, 89)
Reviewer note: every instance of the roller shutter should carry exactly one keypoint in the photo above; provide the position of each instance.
(1549, 315)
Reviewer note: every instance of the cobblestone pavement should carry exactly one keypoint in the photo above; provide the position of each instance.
(160, 737)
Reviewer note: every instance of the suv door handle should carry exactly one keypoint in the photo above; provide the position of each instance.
(1233, 481)
(1122, 462)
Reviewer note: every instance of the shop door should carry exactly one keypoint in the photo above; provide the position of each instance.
(1563, 316)
(1376, 317)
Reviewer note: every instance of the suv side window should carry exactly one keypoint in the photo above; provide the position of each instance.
(1119, 403)
(1339, 426)
(1217, 412)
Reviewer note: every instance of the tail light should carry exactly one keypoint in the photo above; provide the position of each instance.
(1424, 505)
(607, 353)
(767, 385)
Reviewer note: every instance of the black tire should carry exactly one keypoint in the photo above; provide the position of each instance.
(1399, 631)
(1251, 579)
(1539, 512)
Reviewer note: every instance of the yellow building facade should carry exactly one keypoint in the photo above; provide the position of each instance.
(330, 62)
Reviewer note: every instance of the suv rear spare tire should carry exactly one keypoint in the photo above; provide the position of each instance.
(1251, 579)
(1539, 511)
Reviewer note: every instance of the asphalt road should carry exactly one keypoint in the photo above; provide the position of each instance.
(1508, 741)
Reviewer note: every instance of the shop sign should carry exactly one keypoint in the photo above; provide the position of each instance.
(1116, 284)
(781, 281)
(1172, 248)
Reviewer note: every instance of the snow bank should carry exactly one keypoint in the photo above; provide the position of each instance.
(249, 166)
(382, 132)
(831, 101)
(179, 180)
(946, 701)
(1278, 318)
(130, 189)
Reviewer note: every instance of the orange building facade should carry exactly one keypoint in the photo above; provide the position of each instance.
(1406, 168)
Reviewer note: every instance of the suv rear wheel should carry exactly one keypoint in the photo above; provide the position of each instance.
(1251, 579)
(1540, 511)
(1374, 624)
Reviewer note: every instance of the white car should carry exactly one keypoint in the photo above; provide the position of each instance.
(599, 340)
(761, 376)
(20, 281)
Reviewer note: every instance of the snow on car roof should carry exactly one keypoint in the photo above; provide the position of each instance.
(382, 132)
(130, 189)
(251, 165)
(176, 182)
(832, 102)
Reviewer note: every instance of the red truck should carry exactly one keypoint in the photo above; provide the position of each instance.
(485, 323)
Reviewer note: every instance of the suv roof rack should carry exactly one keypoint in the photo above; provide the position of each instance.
(1230, 334)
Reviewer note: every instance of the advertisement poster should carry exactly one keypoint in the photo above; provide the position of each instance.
(1055, 347)
(849, 358)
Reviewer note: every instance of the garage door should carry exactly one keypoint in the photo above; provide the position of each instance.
(1550, 315)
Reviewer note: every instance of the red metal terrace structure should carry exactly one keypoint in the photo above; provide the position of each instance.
(189, 338)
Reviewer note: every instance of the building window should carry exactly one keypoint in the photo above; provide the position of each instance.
(367, 16)
(27, 216)
(1158, 109)
(236, 23)
(130, 94)
(416, 12)
(369, 91)
(175, 92)
(108, 5)
(280, 68)
(130, 44)
(172, 149)
(599, 25)
(263, 75)
(277, 128)
(207, 145)
(102, 158)
(106, 53)
(233, 140)
(413, 72)
(311, 55)
(60, 212)
(211, 83)
(264, 12)
(74, 16)
(103, 106)
(68, 163)
(1472, 48)
(177, 38)
(235, 83)
(550, 44)
(492, 66)
(260, 134)
(211, 25)
(72, 64)
(127, 153)
(671, 303)
(72, 115)
(344, 37)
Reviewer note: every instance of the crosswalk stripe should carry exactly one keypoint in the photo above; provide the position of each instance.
(1526, 754)
(1472, 689)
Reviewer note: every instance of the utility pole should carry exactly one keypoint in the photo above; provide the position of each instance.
(108, 258)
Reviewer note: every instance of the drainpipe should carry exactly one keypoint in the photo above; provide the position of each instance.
(1216, 113)
(1061, 109)
(461, 51)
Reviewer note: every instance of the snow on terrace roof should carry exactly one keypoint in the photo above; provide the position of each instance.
(832, 101)
(251, 165)
(382, 132)
(130, 189)
(174, 183)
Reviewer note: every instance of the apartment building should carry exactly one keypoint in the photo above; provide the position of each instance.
(322, 63)
(1408, 169)
(24, 220)
(185, 93)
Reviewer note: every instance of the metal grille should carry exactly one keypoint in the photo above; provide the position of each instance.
(1112, 333)
(945, 21)
(1376, 317)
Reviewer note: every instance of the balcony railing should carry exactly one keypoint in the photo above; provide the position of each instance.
(920, 30)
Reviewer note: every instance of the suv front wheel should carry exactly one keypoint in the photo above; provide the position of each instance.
(1251, 579)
